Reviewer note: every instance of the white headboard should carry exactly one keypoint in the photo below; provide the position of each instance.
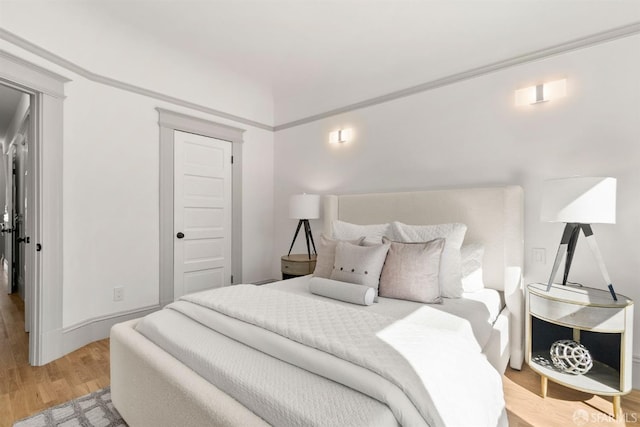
(494, 217)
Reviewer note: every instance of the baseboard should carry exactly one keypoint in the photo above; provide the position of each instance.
(264, 282)
(81, 334)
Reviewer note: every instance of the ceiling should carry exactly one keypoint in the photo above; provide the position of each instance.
(9, 99)
(319, 55)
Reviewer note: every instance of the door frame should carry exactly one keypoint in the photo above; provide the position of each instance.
(46, 90)
(170, 121)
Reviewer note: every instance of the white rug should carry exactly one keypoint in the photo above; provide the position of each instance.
(92, 410)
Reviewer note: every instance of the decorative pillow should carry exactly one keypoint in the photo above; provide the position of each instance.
(327, 254)
(472, 255)
(359, 264)
(347, 292)
(450, 277)
(411, 271)
(347, 231)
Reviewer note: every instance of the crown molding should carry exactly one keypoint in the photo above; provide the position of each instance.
(89, 75)
(580, 43)
(576, 44)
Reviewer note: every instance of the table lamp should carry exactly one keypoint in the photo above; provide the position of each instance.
(304, 207)
(579, 202)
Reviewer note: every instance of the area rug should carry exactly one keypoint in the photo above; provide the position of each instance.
(92, 410)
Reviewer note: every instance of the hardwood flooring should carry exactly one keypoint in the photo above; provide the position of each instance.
(562, 406)
(25, 390)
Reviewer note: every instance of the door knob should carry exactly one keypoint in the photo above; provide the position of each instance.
(180, 235)
(23, 239)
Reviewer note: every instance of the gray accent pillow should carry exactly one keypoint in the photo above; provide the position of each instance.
(359, 264)
(411, 271)
(327, 254)
(450, 265)
(347, 292)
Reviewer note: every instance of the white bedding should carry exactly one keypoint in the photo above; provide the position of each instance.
(281, 394)
(479, 308)
(425, 364)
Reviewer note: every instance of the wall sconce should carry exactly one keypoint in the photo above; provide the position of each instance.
(340, 136)
(541, 93)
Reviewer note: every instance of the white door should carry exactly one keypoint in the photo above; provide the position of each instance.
(202, 213)
(8, 218)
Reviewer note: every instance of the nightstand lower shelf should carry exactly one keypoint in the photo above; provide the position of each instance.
(601, 379)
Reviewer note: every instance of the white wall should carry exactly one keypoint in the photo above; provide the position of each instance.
(111, 198)
(471, 134)
(111, 180)
(81, 33)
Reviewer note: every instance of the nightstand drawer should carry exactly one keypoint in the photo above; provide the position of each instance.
(603, 319)
(296, 268)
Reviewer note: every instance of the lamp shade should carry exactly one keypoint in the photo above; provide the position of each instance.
(584, 200)
(304, 206)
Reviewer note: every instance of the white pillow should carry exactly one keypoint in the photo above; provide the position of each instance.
(342, 291)
(361, 265)
(471, 269)
(450, 263)
(347, 231)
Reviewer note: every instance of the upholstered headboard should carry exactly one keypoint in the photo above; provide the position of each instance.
(494, 217)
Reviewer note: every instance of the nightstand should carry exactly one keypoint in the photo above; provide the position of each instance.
(297, 265)
(591, 317)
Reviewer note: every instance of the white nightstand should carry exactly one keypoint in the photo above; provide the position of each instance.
(591, 317)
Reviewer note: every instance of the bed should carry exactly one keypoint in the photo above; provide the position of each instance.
(166, 380)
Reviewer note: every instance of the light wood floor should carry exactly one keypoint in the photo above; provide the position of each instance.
(25, 390)
(526, 408)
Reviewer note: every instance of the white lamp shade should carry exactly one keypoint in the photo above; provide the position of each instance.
(584, 200)
(304, 206)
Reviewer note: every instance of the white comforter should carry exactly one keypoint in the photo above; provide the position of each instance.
(426, 374)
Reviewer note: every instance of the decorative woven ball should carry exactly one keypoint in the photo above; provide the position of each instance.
(571, 357)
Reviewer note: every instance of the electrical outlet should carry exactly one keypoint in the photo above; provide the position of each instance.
(118, 294)
(539, 255)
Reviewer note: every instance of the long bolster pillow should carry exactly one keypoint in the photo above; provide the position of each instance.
(343, 291)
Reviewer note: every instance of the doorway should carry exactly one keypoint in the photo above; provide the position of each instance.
(43, 217)
(15, 228)
(172, 124)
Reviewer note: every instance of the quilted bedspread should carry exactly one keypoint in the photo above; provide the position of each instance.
(427, 374)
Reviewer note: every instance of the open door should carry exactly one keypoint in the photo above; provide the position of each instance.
(7, 220)
(4, 221)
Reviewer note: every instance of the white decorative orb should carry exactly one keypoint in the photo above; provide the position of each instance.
(571, 357)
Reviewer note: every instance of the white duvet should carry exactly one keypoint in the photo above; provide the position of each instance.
(428, 371)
